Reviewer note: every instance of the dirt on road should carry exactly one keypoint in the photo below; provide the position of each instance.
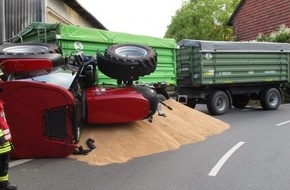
(119, 143)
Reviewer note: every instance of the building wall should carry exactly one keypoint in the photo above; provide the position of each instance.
(260, 16)
(18, 14)
(58, 11)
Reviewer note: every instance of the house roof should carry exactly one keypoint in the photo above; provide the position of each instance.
(87, 15)
(231, 19)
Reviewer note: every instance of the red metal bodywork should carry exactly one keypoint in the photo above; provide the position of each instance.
(24, 65)
(25, 106)
(115, 105)
(45, 111)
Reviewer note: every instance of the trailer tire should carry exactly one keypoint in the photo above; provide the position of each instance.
(191, 103)
(270, 99)
(218, 103)
(240, 101)
(127, 61)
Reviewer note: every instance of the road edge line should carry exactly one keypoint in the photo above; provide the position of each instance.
(283, 123)
(18, 162)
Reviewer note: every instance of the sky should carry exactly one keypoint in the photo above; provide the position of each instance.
(143, 17)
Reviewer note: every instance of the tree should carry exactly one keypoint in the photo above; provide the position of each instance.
(202, 19)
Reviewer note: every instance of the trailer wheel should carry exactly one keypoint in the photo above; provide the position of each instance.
(191, 102)
(218, 103)
(127, 61)
(270, 99)
(240, 102)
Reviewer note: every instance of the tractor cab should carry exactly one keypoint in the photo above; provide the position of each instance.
(48, 98)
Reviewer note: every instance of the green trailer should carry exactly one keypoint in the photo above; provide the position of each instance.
(94, 40)
(221, 74)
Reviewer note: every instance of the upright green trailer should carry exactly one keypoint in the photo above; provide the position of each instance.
(224, 74)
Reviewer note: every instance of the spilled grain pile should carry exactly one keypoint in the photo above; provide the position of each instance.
(122, 142)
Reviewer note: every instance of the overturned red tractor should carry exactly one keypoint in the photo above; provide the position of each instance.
(48, 98)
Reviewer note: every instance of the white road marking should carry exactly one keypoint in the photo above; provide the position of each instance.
(18, 162)
(283, 123)
(222, 161)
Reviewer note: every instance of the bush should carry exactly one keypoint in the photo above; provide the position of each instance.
(281, 35)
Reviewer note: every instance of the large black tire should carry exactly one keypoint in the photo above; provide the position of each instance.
(161, 97)
(127, 62)
(151, 96)
(218, 103)
(32, 51)
(29, 49)
(270, 99)
(191, 102)
(240, 101)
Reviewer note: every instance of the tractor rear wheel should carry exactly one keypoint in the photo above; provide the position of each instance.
(29, 49)
(32, 51)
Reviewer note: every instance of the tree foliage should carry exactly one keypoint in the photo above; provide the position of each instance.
(202, 19)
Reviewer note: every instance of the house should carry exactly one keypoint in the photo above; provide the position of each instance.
(17, 14)
(252, 17)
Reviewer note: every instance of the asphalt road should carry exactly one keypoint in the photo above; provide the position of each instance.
(253, 154)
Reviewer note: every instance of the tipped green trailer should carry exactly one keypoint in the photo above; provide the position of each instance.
(94, 40)
(224, 74)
